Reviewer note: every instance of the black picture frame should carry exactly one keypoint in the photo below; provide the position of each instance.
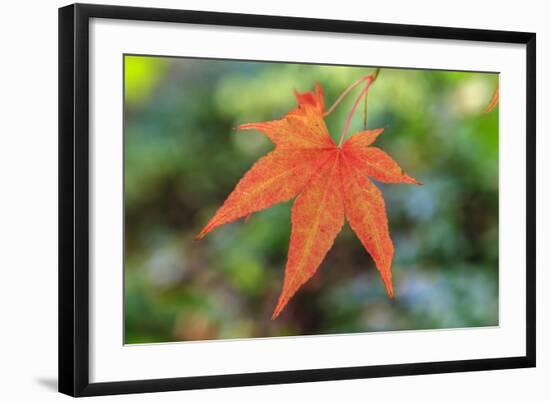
(74, 194)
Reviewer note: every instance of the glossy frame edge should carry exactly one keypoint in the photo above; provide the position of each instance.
(73, 279)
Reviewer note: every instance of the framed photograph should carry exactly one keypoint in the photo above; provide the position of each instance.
(251, 199)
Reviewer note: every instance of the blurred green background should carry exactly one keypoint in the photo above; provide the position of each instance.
(182, 159)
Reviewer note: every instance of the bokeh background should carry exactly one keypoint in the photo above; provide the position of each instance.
(182, 159)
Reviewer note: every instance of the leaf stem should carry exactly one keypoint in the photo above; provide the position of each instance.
(345, 93)
(365, 101)
(370, 79)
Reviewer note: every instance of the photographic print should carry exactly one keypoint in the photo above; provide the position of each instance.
(286, 199)
(266, 199)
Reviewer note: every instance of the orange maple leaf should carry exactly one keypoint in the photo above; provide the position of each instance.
(330, 183)
(494, 101)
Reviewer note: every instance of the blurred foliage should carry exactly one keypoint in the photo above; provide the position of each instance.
(182, 159)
